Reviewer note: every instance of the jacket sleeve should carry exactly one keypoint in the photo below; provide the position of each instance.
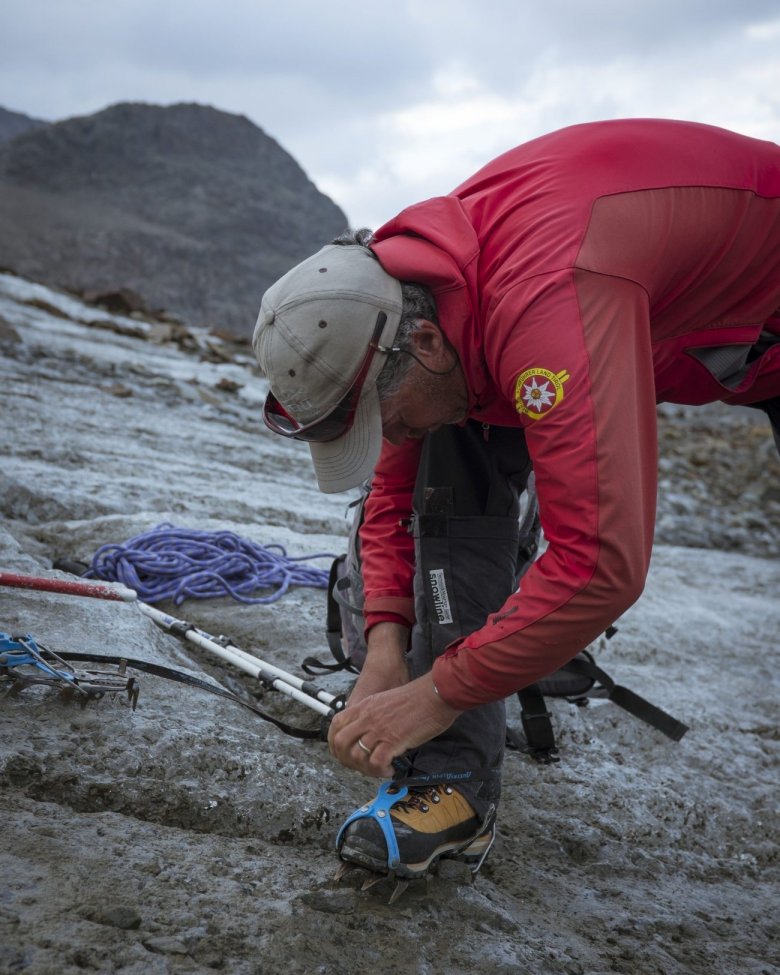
(386, 546)
(591, 435)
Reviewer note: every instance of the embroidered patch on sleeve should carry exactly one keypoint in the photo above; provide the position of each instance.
(537, 391)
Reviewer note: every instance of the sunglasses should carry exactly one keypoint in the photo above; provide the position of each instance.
(340, 417)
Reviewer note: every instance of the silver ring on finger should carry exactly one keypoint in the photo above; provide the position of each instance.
(365, 748)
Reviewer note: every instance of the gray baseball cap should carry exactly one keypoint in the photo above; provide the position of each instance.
(316, 334)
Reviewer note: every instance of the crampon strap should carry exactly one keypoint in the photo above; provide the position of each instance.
(158, 670)
(398, 789)
(55, 663)
(379, 811)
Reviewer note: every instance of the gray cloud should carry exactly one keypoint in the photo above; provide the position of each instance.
(384, 104)
(509, 34)
(341, 50)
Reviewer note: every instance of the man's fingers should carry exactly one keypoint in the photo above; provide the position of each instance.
(370, 763)
(382, 760)
(337, 730)
(388, 724)
(359, 750)
(363, 746)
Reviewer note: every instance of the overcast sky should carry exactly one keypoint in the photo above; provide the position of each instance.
(387, 103)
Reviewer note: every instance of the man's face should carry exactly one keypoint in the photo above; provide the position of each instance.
(414, 411)
(430, 395)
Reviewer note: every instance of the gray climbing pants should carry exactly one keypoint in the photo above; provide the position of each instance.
(469, 557)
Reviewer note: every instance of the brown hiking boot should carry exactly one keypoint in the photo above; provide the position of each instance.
(428, 823)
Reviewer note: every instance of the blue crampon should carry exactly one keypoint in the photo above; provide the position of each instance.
(21, 651)
(379, 811)
(24, 662)
(473, 849)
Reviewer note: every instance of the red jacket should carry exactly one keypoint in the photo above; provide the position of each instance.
(577, 277)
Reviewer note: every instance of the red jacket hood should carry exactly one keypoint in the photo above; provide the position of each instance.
(434, 243)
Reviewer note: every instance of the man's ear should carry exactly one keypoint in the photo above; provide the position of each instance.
(429, 343)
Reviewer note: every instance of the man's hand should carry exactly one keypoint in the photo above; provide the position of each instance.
(385, 665)
(368, 735)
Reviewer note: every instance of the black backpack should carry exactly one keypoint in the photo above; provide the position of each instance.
(577, 681)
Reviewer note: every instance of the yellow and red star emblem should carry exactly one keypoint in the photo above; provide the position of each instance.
(537, 391)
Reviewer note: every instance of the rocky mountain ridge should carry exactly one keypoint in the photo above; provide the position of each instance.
(14, 123)
(195, 209)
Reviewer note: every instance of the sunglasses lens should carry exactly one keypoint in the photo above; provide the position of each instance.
(277, 419)
(332, 426)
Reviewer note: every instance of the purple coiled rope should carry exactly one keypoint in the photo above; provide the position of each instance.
(180, 563)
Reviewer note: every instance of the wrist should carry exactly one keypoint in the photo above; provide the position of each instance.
(438, 702)
(388, 640)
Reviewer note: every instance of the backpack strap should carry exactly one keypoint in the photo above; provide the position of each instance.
(333, 631)
(333, 613)
(316, 667)
(578, 680)
(537, 727)
(628, 700)
(537, 724)
(344, 619)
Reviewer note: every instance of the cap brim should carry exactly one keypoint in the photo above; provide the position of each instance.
(347, 462)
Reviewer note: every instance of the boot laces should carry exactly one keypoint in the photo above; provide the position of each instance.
(422, 798)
